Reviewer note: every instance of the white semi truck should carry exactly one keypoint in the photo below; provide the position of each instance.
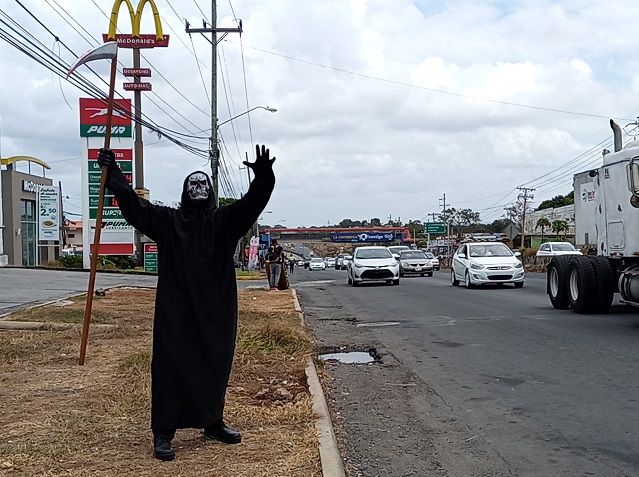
(606, 222)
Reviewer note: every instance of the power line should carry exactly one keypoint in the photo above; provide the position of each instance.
(433, 90)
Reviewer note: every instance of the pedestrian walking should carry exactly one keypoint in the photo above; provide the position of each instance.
(291, 264)
(275, 258)
(195, 321)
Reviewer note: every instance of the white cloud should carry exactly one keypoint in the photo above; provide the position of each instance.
(381, 105)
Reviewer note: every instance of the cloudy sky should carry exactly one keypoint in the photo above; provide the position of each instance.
(383, 106)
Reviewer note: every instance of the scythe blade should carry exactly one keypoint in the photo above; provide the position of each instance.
(106, 51)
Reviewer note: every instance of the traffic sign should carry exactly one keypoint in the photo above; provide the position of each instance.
(434, 227)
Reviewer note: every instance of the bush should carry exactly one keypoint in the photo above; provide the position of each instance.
(109, 262)
(70, 261)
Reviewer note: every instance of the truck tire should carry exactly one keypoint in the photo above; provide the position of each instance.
(605, 283)
(557, 282)
(582, 285)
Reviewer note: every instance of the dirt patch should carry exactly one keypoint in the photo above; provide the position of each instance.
(61, 419)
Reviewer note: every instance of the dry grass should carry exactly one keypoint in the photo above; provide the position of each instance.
(61, 419)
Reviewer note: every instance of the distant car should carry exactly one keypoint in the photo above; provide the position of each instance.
(414, 261)
(478, 263)
(395, 249)
(347, 260)
(300, 263)
(339, 262)
(552, 249)
(316, 263)
(372, 263)
(329, 261)
(433, 259)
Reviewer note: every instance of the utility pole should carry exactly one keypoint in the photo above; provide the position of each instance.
(3, 257)
(447, 228)
(214, 153)
(524, 196)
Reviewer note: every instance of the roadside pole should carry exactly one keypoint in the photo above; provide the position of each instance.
(3, 258)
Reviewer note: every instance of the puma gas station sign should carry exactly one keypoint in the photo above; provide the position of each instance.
(93, 116)
(117, 236)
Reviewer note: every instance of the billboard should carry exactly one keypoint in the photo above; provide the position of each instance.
(48, 213)
(362, 236)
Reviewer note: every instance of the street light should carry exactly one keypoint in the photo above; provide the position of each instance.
(269, 109)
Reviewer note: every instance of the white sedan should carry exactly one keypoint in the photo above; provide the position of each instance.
(551, 249)
(372, 263)
(317, 263)
(478, 263)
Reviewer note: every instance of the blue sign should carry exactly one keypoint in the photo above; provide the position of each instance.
(362, 236)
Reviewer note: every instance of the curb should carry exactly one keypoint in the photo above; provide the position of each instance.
(331, 460)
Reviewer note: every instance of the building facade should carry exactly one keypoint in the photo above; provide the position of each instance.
(20, 218)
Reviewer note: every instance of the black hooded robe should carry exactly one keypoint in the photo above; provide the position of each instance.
(195, 321)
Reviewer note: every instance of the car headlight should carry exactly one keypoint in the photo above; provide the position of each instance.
(405, 264)
(519, 265)
(357, 265)
(476, 266)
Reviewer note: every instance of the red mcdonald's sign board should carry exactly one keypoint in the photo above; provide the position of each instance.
(135, 39)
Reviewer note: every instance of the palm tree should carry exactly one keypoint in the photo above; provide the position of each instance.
(543, 223)
(559, 226)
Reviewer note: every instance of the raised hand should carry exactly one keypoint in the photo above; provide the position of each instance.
(263, 165)
(106, 157)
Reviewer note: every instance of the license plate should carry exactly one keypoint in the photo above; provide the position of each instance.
(418, 269)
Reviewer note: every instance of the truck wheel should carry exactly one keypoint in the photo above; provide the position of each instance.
(581, 285)
(605, 283)
(556, 282)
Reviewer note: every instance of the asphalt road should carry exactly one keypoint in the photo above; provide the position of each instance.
(23, 286)
(488, 381)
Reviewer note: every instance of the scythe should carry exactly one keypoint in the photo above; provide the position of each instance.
(106, 51)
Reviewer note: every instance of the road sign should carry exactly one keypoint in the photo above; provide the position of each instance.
(434, 227)
(137, 86)
(511, 231)
(151, 257)
(136, 71)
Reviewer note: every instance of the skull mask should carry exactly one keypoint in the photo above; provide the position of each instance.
(198, 187)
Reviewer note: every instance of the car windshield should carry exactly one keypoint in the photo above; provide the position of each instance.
(563, 247)
(489, 250)
(398, 248)
(374, 253)
(412, 254)
(429, 255)
(316, 260)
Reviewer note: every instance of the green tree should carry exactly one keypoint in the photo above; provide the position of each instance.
(559, 226)
(448, 216)
(558, 201)
(346, 223)
(227, 200)
(499, 225)
(416, 228)
(543, 223)
(467, 219)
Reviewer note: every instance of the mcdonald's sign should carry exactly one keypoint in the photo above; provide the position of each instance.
(136, 39)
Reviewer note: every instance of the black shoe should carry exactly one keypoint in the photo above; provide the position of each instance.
(221, 432)
(162, 448)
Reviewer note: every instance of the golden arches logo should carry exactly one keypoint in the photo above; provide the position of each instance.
(136, 39)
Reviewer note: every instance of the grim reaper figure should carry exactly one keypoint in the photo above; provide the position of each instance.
(195, 319)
